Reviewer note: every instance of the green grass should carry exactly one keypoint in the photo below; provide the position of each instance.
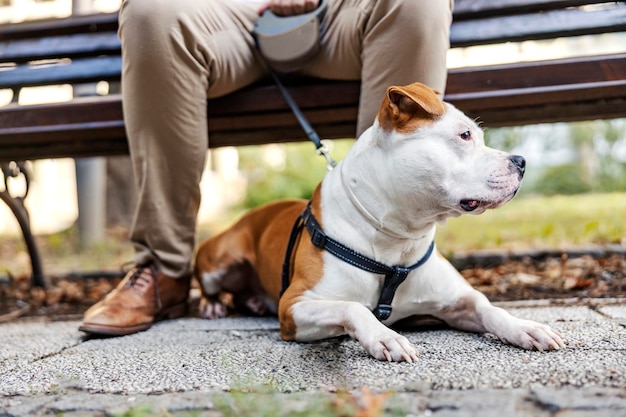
(539, 222)
(527, 222)
(266, 402)
(524, 223)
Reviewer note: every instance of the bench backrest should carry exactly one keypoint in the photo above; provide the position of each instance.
(41, 51)
(86, 49)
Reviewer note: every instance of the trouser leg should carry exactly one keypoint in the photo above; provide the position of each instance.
(383, 43)
(175, 55)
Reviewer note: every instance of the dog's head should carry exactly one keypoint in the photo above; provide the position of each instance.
(429, 157)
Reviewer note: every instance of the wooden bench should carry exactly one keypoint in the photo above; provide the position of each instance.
(86, 49)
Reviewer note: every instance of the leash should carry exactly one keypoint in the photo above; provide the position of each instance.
(302, 120)
(394, 275)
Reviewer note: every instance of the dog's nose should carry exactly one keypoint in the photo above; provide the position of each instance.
(519, 162)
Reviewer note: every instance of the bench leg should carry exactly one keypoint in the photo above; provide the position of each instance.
(16, 204)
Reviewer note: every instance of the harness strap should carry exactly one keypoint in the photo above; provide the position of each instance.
(295, 233)
(394, 275)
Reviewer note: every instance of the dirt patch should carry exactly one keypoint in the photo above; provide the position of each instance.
(518, 278)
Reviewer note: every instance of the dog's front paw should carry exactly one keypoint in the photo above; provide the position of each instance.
(391, 346)
(210, 308)
(532, 335)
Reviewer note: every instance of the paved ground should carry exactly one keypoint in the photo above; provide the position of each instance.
(240, 367)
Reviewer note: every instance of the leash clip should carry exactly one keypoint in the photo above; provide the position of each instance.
(330, 162)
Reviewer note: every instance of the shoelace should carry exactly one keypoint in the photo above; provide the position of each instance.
(142, 277)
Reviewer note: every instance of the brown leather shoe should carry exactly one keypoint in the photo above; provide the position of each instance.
(144, 297)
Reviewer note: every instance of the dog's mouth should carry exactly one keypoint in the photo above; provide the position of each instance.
(469, 205)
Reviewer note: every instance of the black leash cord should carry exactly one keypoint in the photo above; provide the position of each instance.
(302, 120)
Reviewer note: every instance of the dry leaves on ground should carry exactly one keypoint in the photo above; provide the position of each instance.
(553, 277)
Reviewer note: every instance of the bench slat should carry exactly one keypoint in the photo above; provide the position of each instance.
(472, 9)
(521, 97)
(69, 46)
(569, 22)
(280, 119)
(78, 111)
(100, 22)
(536, 74)
(559, 112)
(81, 70)
(267, 98)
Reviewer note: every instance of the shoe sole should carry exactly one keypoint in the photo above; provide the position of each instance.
(174, 312)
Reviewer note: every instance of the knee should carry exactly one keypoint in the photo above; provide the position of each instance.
(146, 18)
(424, 16)
(425, 23)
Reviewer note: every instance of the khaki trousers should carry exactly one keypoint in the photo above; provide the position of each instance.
(176, 54)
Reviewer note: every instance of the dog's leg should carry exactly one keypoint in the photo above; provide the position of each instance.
(211, 306)
(321, 319)
(240, 280)
(474, 313)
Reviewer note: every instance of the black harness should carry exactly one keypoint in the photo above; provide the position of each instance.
(394, 275)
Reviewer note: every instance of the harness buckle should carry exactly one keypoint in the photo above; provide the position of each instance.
(382, 311)
(318, 238)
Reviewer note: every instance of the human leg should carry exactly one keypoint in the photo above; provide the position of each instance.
(383, 43)
(175, 55)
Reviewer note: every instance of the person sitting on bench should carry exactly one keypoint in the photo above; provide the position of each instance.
(176, 54)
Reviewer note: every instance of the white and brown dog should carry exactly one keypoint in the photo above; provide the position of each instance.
(362, 260)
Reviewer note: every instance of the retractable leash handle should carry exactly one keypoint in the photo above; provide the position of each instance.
(286, 44)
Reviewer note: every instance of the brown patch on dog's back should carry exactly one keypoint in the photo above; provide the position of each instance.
(407, 108)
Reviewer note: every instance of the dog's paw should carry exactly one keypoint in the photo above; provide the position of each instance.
(256, 305)
(212, 308)
(391, 346)
(532, 335)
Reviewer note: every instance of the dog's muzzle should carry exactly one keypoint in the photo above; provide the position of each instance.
(517, 165)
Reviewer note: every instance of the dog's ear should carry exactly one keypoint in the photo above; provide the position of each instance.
(405, 108)
(416, 94)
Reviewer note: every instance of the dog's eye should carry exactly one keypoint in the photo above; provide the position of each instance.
(466, 135)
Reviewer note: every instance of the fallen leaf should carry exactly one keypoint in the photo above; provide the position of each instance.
(577, 283)
(527, 279)
(370, 404)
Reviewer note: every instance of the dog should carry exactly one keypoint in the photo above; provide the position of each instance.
(359, 256)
